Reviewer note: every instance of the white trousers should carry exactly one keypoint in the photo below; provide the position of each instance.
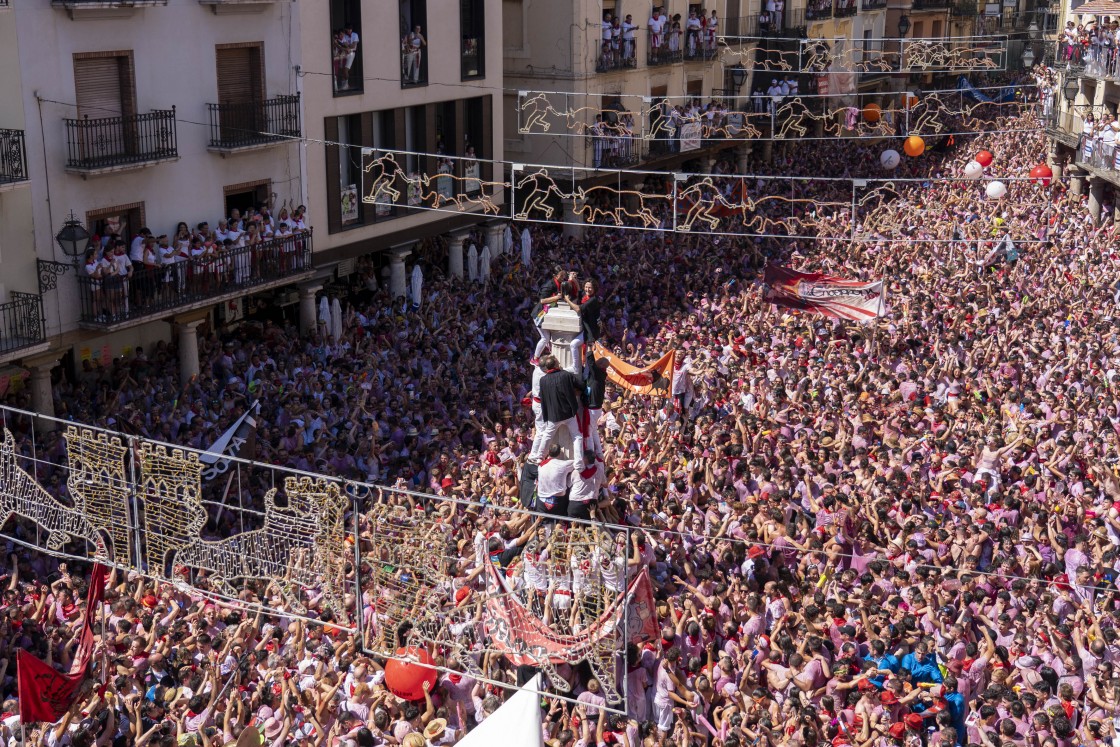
(549, 433)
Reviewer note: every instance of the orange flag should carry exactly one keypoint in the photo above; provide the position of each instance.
(655, 379)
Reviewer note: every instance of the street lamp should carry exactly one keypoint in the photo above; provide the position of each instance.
(903, 26)
(1069, 90)
(1028, 58)
(738, 75)
(1033, 31)
(73, 238)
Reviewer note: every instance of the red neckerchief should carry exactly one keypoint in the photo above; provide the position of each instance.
(545, 461)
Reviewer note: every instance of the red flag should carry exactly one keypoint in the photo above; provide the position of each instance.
(44, 694)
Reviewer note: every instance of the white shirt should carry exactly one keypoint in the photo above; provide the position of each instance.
(606, 30)
(586, 489)
(136, 249)
(628, 30)
(554, 476)
(538, 374)
(656, 25)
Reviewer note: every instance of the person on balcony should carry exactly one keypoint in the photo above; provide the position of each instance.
(711, 32)
(656, 32)
(693, 27)
(605, 45)
(628, 29)
(347, 46)
(675, 34)
(413, 44)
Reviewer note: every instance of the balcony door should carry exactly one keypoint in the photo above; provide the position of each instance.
(240, 91)
(104, 92)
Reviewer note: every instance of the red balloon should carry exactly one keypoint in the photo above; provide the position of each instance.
(1042, 174)
(984, 158)
(409, 679)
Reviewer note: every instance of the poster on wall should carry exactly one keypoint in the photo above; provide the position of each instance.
(349, 204)
(383, 204)
(472, 176)
(414, 191)
(444, 186)
(690, 136)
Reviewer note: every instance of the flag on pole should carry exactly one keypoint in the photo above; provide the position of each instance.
(230, 443)
(46, 694)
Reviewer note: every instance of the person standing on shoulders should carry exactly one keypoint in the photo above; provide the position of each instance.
(560, 403)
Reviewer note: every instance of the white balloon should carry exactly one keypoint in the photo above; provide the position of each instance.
(890, 159)
(996, 190)
(973, 170)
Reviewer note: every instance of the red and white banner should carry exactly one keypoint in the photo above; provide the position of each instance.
(824, 294)
(525, 639)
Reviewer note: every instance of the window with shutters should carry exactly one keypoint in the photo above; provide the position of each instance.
(346, 46)
(105, 93)
(241, 93)
(122, 221)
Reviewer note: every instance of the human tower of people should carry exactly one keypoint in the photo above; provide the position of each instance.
(903, 532)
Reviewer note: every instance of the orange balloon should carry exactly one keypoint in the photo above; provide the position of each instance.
(872, 113)
(914, 146)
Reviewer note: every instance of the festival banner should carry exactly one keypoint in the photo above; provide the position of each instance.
(824, 294)
(655, 379)
(230, 443)
(641, 611)
(690, 136)
(525, 639)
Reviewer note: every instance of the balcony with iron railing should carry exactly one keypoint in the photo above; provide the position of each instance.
(846, 8)
(930, 4)
(109, 144)
(698, 47)
(869, 5)
(249, 125)
(660, 52)
(154, 292)
(616, 58)
(21, 324)
(102, 5)
(818, 10)
(13, 158)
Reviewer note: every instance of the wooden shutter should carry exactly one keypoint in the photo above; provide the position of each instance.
(239, 75)
(97, 87)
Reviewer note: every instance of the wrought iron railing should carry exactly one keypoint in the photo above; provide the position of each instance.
(845, 8)
(119, 141)
(929, 4)
(818, 10)
(13, 157)
(611, 58)
(660, 53)
(242, 124)
(874, 4)
(1099, 155)
(21, 322)
(615, 150)
(699, 49)
(111, 300)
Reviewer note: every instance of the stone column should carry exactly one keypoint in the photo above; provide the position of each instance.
(1076, 181)
(495, 238)
(573, 221)
(707, 163)
(768, 151)
(1096, 195)
(42, 395)
(307, 312)
(743, 158)
(1055, 165)
(188, 349)
(455, 254)
(398, 275)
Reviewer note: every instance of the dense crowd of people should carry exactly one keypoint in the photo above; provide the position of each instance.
(903, 532)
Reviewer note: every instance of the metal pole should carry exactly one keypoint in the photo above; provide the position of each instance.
(138, 559)
(358, 601)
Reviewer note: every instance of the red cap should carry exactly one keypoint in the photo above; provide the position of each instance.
(888, 698)
(462, 593)
(914, 721)
(897, 731)
(865, 685)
